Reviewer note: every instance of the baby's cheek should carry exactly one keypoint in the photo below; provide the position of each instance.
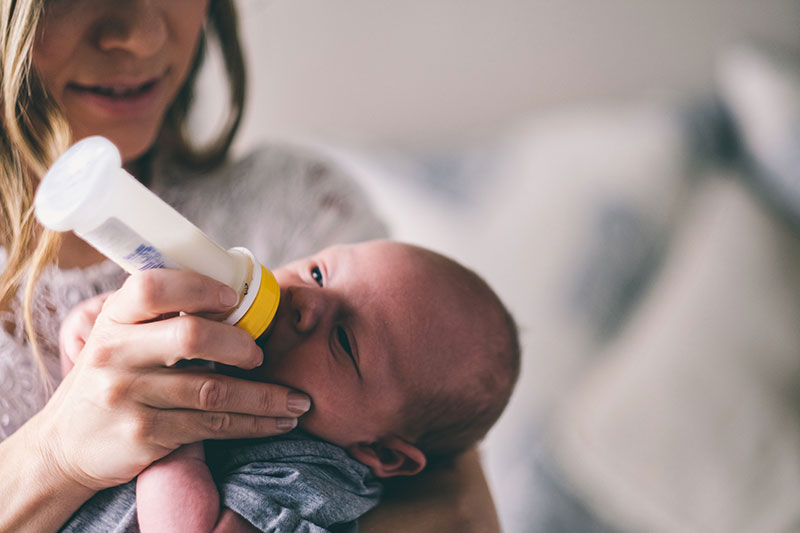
(328, 425)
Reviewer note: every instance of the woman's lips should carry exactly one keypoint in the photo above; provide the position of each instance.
(119, 99)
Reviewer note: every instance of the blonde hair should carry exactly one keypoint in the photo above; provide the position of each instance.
(34, 132)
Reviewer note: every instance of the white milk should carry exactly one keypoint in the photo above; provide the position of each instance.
(87, 191)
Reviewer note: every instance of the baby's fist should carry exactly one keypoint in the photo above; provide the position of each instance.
(76, 328)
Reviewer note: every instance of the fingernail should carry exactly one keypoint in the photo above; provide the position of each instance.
(285, 423)
(228, 296)
(298, 403)
(260, 359)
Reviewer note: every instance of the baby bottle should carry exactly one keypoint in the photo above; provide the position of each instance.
(87, 191)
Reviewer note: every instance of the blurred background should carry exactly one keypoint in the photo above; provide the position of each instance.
(626, 174)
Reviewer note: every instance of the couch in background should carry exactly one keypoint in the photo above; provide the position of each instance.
(650, 254)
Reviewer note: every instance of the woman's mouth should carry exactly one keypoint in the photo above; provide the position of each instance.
(118, 98)
(117, 91)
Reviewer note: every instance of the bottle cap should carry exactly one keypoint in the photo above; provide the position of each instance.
(261, 312)
(260, 300)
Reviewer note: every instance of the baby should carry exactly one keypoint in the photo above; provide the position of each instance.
(408, 357)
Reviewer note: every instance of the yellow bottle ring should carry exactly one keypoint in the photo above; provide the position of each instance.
(258, 317)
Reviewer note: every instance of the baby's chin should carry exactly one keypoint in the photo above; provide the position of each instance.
(312, 424)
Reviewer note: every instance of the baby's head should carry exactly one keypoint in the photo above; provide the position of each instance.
(405, 353)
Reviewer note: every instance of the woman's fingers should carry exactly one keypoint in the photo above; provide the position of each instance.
(127, 331)
(166, 342)
(206, 391)
(175, 427)
(152, 293)
(123, 406)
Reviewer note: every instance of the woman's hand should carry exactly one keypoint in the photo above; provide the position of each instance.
(122, 406)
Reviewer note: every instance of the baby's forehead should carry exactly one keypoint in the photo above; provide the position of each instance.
(409, 259)
(435, 295)
(382, 261)
(441, 281)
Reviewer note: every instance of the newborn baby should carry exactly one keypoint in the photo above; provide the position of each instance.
(408, 358)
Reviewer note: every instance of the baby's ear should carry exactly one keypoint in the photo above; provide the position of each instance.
(389, 456)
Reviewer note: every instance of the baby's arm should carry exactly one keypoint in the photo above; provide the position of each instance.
(75, 330)
(174, 494)
(178, 493)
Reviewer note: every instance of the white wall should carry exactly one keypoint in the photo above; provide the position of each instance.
(433, 72)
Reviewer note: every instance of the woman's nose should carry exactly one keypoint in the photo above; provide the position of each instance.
(134, 26)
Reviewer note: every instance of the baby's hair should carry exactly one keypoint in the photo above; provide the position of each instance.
(449, 420)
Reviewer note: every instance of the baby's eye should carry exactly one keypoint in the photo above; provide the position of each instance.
(316, 274)
(344, 342)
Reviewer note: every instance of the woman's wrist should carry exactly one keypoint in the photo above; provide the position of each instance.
(37, 493)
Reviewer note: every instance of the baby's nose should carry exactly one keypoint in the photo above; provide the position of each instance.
(308, 307)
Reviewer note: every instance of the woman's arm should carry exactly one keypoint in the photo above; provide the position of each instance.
(123, 407)
(37, 493)
(449, 498)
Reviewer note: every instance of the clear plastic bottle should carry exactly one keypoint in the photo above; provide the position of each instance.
(87, 191)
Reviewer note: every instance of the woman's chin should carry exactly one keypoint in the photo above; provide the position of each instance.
(132, 142)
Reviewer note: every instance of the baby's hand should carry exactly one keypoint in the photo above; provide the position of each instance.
(76, 328)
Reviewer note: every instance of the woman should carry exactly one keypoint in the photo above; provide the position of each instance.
(125, 70)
